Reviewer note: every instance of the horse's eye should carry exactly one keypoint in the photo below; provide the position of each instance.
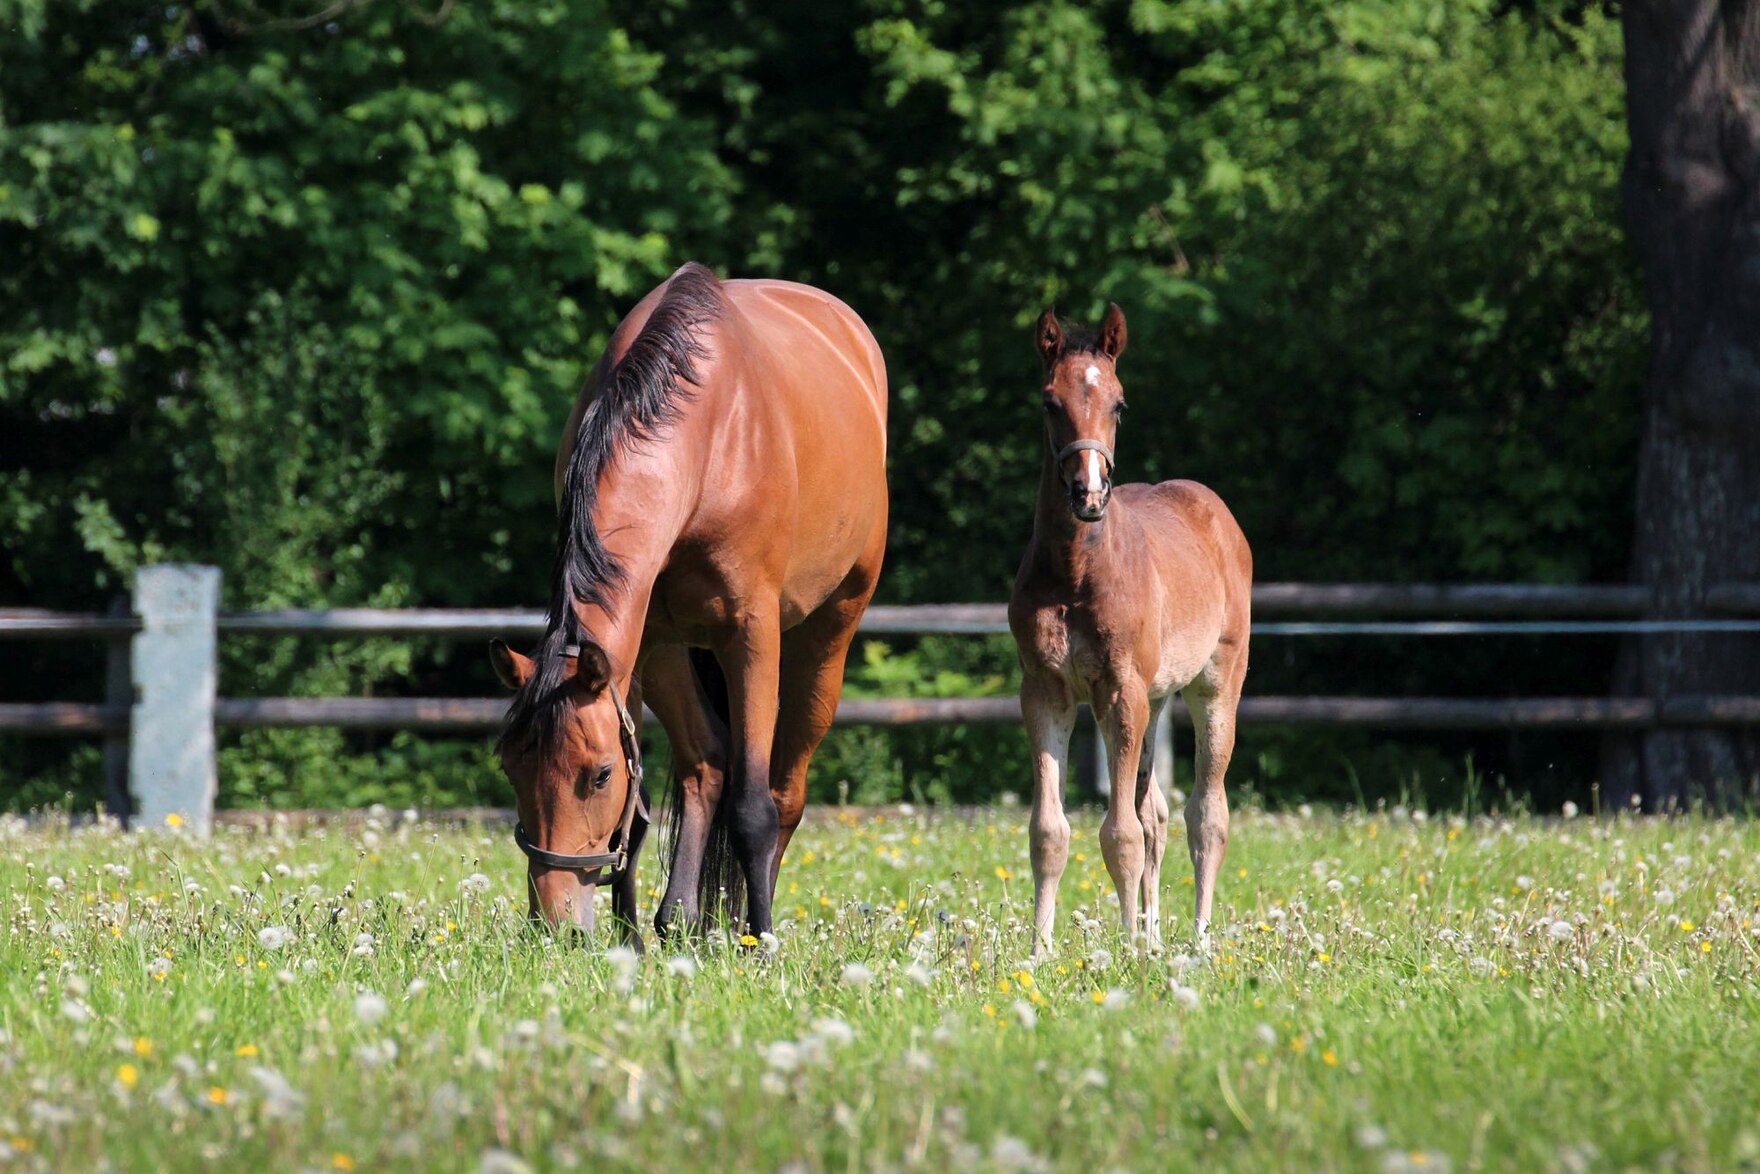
(603, 777)
(1050, 407)
(1118, 408)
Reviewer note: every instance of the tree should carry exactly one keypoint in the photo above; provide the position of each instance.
(1692, 196)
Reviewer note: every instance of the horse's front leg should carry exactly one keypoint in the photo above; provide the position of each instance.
(1122, 712)
(752, 659)
(1049, 712)
(624, 894)
(699, 765)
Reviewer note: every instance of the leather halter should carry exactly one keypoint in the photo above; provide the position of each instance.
(1076, 446)
(616, 860)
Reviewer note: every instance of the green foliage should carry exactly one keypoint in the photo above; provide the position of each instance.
(310, 300)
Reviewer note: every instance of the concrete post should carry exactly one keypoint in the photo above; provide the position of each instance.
(171, 738)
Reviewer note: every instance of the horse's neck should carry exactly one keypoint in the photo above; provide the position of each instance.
(1069, 553)
(640, 533)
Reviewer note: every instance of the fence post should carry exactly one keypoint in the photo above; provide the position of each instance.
(118, 691)
(171, 727)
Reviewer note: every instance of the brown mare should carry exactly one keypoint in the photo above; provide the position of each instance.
(1125, 597)
(721, 486)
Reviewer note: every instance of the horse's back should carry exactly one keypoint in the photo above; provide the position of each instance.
(1202, 561)
(817, 334)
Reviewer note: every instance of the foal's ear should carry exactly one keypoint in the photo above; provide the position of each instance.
(1048, 335)
(592, 670)
(513, 669)
(1112, 331)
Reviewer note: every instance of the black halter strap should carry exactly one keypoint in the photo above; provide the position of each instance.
(617, 859)
(1076, 446)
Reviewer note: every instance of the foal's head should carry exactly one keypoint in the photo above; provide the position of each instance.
(569, 770)
(1083, 401)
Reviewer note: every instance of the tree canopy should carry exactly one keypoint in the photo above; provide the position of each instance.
(310, 298)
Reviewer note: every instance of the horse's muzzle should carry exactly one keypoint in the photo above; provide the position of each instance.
(560, 899)
(1089, 505)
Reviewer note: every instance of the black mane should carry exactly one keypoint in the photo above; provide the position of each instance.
(642, 396)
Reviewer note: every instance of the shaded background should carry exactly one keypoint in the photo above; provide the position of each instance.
(307, 293)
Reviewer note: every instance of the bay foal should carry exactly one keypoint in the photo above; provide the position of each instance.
(1126, 596)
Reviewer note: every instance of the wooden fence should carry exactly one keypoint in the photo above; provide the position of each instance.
(161, 709)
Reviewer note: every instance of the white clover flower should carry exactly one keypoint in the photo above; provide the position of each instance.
(834, 1031)
(274, 937)
(782, 1056)
(855, 974)
(476, 882)
(370, 1007)
(682, 966)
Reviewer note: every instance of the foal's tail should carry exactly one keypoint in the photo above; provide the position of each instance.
(720, 884)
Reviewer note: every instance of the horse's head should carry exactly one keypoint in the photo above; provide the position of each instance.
(1083, 401)
(571, 753)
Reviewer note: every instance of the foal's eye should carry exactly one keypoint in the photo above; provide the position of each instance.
(1118, 408)
(603, 777)
(1050, 407)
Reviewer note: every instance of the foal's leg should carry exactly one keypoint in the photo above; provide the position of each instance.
(813, 653)
(1049, 711)
(752, 659)
(699, 766)
(1212, 699)
(1152, 812)
(1124, 719)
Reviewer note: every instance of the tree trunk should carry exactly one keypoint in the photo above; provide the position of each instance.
(1692, 202)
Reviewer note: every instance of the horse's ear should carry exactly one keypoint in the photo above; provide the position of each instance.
(1048, 336)
(1112, 331)
(513, 669)
(592, 670)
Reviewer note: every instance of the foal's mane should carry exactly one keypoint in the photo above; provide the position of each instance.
(641, 396)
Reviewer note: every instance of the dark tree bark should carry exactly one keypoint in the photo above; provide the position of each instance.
(1692, 201)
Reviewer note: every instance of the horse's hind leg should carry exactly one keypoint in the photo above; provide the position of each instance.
(1152, 812)
(1049, 711)
(813, 653)
(699, 766)
(1212, 699)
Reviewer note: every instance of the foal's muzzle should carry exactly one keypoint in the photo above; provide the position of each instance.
(1091, 488)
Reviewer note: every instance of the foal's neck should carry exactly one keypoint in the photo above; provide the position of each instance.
(1069, 550)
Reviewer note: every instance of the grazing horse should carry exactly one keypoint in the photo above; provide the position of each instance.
(1125, 597)
(721, 486)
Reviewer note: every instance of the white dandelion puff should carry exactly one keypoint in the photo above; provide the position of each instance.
(370, 1007)
(274, 937)
(855, 974)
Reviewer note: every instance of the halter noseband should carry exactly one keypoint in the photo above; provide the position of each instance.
(617, 860)
(1076, 446)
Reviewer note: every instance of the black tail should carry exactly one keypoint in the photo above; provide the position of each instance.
(720, 884)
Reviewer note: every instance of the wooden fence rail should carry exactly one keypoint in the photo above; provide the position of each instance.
(160, 711)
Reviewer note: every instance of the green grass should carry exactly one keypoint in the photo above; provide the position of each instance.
(1383, 993)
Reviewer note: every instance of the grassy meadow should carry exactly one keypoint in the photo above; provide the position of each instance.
(1383, 992)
